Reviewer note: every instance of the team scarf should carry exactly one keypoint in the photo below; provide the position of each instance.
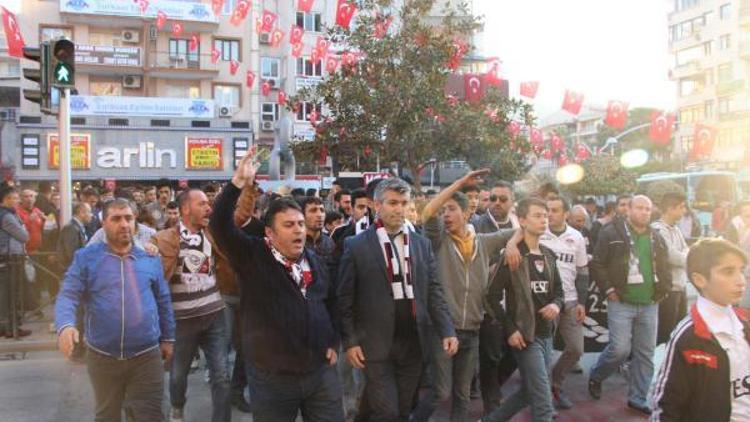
(195, 239)
(391, 260)
(362, 225)
(299, 271)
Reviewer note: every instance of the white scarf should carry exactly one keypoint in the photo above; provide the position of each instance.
(362, 224)
(195, 239)
(300, 270)
(403, 289)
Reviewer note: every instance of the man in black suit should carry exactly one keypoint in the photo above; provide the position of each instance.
(390, 299)
(73, 235)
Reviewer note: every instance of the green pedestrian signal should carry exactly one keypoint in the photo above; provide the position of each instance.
(62, 63)
(63, 74)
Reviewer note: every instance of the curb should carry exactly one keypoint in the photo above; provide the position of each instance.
(20, 346)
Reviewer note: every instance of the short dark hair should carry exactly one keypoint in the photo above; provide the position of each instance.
(624, 196)
(78, 206)
(337, 196)
(210, 188)
(461, 199)
(706, 253)
(524, 206)
(332, 216)
(7, 190)
(358, 193)
(163, 182)
(470, 188)
(173, 205)
(671, 200)
(148, 188)
(298, 192)
(45, 187)
(184, 197)
(370, 188)
(307, 200)
(117, 203)
(278, 206)
(565, 202)
(311, 192)
(89, 191)
(609, 207)
(503, 184)
(590, 200)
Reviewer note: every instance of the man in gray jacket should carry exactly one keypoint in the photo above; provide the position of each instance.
(13, 237)
(463, 268)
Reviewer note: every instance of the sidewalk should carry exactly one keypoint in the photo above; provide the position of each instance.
(41, 339)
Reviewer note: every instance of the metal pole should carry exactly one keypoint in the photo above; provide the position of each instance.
(66, 182)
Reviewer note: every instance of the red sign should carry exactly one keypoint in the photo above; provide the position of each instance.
(204, 154)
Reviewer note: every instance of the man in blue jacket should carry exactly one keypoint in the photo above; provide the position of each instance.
(129, 326)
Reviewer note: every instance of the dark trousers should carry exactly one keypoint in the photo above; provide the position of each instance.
(209, 333)
(139, 380)
(391, 384)
(671, 311)
(232, 318)
(278, 398)
(496, 363)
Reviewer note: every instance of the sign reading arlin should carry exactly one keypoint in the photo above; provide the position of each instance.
(204, 154)
(80, 151)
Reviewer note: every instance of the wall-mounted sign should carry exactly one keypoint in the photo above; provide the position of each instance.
(241, 145)
(110, 106)
(203, 154)
(144, 156)
(30, 151)
(80, 151)
(176, 10)
(108, 55)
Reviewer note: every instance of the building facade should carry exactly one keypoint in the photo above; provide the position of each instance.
(710, 43)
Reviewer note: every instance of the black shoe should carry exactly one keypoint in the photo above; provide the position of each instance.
(595, 389)
(241, 404)
(638, 408)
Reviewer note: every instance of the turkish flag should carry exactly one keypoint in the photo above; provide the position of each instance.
(305, 5)
(217, 5)
(572, 102)
(661, 127)
(459, 49)
(514, 128)
(381, 26)
(344, 12)
(536, 137)
(258, 25)
(297, 50)
(176, 29)
(267, 21)
(281, 98)
(322, 45)
(349, 59)
(474, 87)
(276, 36)
(452, 100)
(492, 77)
(215, 54)
(556, 143)
(249, 79)
(562, 160)
(161, 19)
(313, 117)
(704, 138)
(265, 89)
(582, 153)
(332, 63)
(295, 34)
(315, 56)
(12, 34)
(194, 41)
(143, 5)
(240, 12)
(233, 66)
(617, 114)
(529, 89)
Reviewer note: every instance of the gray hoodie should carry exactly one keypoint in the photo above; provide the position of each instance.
(677, 251)
(466, 284)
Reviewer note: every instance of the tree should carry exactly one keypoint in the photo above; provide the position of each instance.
(603, 175)
(393, 104)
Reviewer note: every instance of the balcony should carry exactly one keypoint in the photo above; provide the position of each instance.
(181, 66)
(734, 115)
(729, 87)
(688, 69)
(108, 60)
(302, 81)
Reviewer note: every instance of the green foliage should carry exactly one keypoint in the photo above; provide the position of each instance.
(393, 103)
(657, 190)
(604, 175)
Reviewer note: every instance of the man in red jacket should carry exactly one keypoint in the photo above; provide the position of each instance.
(32, 218)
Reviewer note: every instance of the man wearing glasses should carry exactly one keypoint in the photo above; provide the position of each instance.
(499, 215)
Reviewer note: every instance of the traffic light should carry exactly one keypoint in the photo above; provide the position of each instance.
(62, 63)
(40, 96)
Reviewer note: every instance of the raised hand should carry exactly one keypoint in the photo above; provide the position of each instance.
(247, 168)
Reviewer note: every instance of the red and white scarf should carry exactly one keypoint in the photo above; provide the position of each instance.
(299, 271)
(404, 289)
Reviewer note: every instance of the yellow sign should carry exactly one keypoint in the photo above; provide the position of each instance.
(204, 154)
(80, 151)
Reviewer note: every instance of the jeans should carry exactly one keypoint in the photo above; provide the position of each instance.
(632, 332)
(352, 382)
(496, 363)
(278, 398)
(535, 388)
(238, 381)
(571, 332)
(138, 380)
(4, 298)
(671, 311)
(451, 376)
(209, 333)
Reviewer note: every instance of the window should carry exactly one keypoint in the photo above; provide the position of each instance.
(709, 109)
(305, 109)
(690, 86)
(725, 105)
(691, 114)
(182, 91)
(688, 55)
(105, 87)
(227, 95)
(269, 112)
(724, 72)
(724, 42)
(270, 68)
(684, 4)
(106, 38)
(10, 69)
(305, 67)
(708, 47)
(725, 11)
(309, 21)
(708, 17)
(230, 49)
(51, 32)
(709, 76)
(228, 7)
(180, 54)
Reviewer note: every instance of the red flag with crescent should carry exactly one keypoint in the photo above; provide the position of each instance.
(281, 98)
(349, 59)
(514, 128)
(381, 26)
(176, 29)
(556, 143)
(572, 102)
(240, 12)
(661, 127)
(313, 117)
(215, 54)
(194, 41)
(617, 114)
(474, 87)
(143, 5)
(267, 21)
(12, 34)
(529, 89)
(249, 79)
(322, 45)
(265, 89)
(704, 138)
(305, 5)
(217, 5)
(581, 152)
(344, 13)
(536, 137)
(276, 37)
(332, 63)
(161, 19)
(233, 66)
(295, 34)
(297, 50)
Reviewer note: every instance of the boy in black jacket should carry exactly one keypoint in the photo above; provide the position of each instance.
(706, 373)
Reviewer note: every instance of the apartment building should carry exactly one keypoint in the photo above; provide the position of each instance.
(710, 42)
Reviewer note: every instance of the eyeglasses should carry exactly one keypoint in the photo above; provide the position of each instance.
(501, 198)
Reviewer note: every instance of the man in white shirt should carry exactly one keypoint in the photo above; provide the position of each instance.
(572, 264)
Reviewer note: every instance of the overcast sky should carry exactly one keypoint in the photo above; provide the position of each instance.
(606, 49)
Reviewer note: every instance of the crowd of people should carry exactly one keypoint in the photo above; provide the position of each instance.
(382, 303)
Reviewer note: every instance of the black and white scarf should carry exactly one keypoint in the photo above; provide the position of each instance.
(402, 289)
(299, 271)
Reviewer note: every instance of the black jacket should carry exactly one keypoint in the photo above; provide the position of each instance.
(519, 313)
(282, 332)
(609, 267)
(693, 383)
(365, 296)
(72, 238)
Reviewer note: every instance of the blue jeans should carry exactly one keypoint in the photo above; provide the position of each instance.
(209, 333)
(352, 381)
(535, 391)
(632, 332)
(450, 376)
(278, 398)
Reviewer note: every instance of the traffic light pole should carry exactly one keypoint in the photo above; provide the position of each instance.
(65, 182)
